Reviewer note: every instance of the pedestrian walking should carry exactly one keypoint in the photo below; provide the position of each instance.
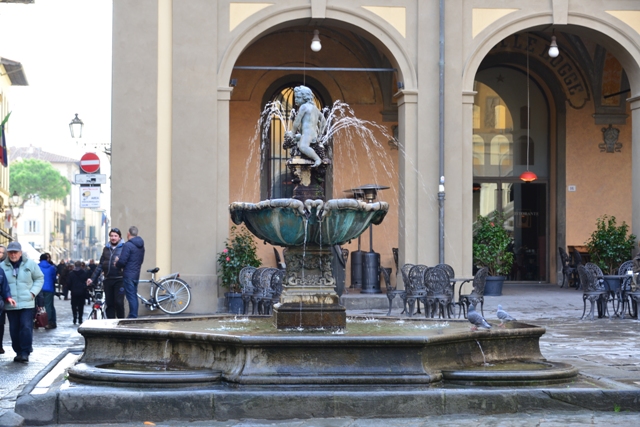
(25, 282)
(3, 316)
(5, 294)
(49, 288)
(62, 278)
(112, 284)
(130, 261)
(78, 287)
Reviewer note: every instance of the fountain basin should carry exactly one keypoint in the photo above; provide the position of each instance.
(392, 353)
(290, 222)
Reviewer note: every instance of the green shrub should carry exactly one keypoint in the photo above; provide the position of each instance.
(610, 245)
(492, 244)
(239, 252)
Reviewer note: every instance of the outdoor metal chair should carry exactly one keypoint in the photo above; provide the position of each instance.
(392, 292)
(629, 294)
(244, 279)
(602, 285)
(439, 296)
(261, 282)
(477, 294)
(450, 291)
(577, 260)
(416, 290)
(568, 271)
(591, 292)
(272, 295)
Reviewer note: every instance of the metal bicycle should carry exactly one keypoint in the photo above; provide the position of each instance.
(170, 293)
(97, 312)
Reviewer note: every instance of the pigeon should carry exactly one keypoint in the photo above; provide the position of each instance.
(503, 316)
(476, 319)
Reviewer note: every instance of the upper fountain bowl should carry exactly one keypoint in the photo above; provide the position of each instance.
(281, 222)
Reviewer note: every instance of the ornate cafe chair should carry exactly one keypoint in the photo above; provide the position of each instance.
(262, 295)
(274, 291)
(591, 292)
(477, 294)
(450, 291)
(439, 297)
(416, 291)
(577, 260)
(244, 278)
(629, 294)
(392, 292)
(601, 285)
(568, 271)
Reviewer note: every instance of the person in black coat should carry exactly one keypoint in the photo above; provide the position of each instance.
(130, 261)
(77, 280)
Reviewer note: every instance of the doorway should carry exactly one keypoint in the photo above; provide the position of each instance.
(525, 208)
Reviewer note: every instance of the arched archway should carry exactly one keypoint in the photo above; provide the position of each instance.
(599, 30)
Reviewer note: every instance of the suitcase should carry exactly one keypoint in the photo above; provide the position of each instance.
(42, 319)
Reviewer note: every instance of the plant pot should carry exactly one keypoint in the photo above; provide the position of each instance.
(493, 286)
(233, 302)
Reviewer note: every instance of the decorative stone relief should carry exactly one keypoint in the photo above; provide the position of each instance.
(610, 144)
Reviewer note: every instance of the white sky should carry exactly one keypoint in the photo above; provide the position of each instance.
(65, 49)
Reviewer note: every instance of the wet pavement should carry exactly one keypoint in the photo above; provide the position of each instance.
(603, 349)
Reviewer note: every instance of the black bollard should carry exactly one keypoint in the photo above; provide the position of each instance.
(371, 274)
(356, 269)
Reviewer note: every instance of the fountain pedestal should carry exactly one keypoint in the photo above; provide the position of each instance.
(308, 297)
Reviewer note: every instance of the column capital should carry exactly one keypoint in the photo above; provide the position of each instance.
(224, 93)
(468, 96)
(406, 97)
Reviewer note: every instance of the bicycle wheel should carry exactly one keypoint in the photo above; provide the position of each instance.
(173, 296)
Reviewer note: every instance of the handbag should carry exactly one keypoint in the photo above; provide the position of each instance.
(41, 319)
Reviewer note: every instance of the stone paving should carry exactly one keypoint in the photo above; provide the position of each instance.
(605, 349)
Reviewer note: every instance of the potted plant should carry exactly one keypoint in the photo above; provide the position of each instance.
(610, 244)
(239, 251)
(492, 249)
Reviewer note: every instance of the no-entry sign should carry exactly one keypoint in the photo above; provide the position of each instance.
(90, 163)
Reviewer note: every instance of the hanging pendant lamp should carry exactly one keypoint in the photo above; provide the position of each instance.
(528, 176)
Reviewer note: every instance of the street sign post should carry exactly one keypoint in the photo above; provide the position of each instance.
(90, 196)
(90, 163)
(90, 178)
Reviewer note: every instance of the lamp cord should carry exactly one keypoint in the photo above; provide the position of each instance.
(528, 104)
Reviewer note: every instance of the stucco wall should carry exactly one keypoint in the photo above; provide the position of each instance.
(602, 180)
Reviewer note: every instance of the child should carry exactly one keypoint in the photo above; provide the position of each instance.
(77, 281)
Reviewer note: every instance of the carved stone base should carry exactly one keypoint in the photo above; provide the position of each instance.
(308, 297)
(309, 316)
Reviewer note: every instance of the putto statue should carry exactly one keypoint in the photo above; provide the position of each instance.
(308, 126)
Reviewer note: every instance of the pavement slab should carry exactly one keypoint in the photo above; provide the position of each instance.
(604, 350)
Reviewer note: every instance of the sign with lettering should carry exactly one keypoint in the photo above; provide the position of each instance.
(565, 69)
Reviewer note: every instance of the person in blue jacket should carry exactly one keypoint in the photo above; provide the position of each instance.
(130, 261)
(25, 281)
(49, 288)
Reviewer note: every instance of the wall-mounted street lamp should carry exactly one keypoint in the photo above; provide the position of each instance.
(75, 127)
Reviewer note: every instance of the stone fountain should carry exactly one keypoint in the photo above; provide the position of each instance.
(308, 226)
(315, 362)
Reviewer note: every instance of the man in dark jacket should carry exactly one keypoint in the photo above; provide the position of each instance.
(112, 284)
(49, 288)
(130, 261)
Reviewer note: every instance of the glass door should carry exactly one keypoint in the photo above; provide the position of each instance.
(525, 209)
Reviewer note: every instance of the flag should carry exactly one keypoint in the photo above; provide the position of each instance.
(4, 159)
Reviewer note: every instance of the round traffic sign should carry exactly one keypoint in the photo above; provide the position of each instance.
(90, 163)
